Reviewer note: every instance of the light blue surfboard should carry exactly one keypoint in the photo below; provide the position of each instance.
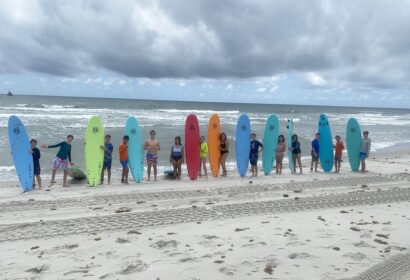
(20, 148)
(135, 149)
(270, 143)
(325, 144)
(290, 154)
(243, 147)
(354, 142)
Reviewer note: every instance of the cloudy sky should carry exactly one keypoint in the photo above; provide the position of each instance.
(297, 52)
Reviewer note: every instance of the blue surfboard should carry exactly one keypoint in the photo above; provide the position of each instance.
(135, 149)
(20, 148)
(243, 147)
(270, 143)
(354, 142)
(325, 144)
(290, 154)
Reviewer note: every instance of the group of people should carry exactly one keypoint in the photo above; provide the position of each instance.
(152, 147)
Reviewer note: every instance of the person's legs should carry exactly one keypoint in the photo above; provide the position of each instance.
(223, 159)
(175, 167)
(299, 157)
(149, 170)
(155, 170)
(126, 171)
(179, 163)
(65, 177)
(39, 180)
(280, 163)
(294, 156)
(316, 163)
(204, 166)
(109, 175)
(102, 175)
(339, 163)
(200, 167)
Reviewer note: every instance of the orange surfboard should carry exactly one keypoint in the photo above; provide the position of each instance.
(214, 130)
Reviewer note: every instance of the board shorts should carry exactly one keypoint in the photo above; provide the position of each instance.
(124, 163)
(363, 156)
(314, 158)
(37, 170)
(338, 158)
(176, 157)
(151, 158)
(107, 164)
(253, 159)
(60, 163)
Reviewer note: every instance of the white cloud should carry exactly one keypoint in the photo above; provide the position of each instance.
(316, 79)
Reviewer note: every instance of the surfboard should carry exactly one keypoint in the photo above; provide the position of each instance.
(325, 144)
(135, 149)
(192, 136)
(243, 147)
(354, 142)
(290, 154)
(270, 143)
(20, 148)
(214, 131)
(93, 150)
(76, 173)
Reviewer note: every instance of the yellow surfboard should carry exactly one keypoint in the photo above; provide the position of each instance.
(214, 131)
(94, 153)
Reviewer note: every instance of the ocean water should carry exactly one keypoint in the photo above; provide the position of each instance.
(51, 119)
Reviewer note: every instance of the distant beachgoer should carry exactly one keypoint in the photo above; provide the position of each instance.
(224, 150)
(62, 159)
(108, 149)
(280, 153)
(36, 162)
(152, 147)
(203, 154)
(365, 149)
(177, 157)
(254, 153)
(315, 152)
(123, 151)
(339, 147)
(296, 153)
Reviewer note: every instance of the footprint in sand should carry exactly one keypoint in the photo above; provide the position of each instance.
(165, 244)
(300, 256)
(356, 256)
(132, 266)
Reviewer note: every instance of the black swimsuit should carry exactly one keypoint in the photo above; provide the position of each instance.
(223, 147)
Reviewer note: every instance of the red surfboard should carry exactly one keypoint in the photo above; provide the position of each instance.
(192, 146)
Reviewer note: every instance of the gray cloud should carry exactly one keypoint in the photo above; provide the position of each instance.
(353, 42)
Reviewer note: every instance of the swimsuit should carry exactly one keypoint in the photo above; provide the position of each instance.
(176, 153)
(223, 147)
(60, 163)
(151, 158)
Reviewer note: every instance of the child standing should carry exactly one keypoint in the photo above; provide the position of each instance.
(280, 153)
(62, 159)
(152, 147)
(108, 149)
(224, 150)
(315, 152)
(36, 162)
(254, 153)
(177, 157)
(123, 151)
(365, 149)
(296, 153)
(203, 154)
(339, 147)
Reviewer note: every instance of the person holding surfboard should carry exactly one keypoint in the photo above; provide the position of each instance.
(177, 157)
(152, 147)
(296, 153)
(62, 159)
(108, 149)
(254, 154)
(315, 152)
(280, 153)
(123, 151)
(224, 149)
(203, 154)
(36, 162)
(365, 149)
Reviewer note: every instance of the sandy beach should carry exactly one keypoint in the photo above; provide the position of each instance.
(310, 226)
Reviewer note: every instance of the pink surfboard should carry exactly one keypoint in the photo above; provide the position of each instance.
(192, 146)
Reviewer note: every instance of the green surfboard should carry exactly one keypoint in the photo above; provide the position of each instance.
(94, 151)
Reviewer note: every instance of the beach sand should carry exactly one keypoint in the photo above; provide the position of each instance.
(310, 226)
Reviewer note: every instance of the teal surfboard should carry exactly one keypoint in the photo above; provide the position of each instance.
(354, 142)
(243, 144)
(325, 144)
(20, 148)
(270, 143)
(290, 154)
(135, 149)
